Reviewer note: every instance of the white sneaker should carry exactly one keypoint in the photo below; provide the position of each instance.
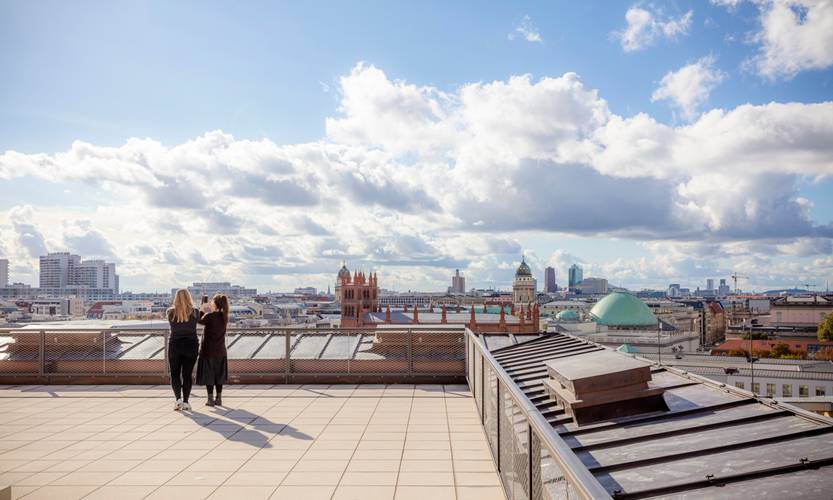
(178, 405)
(186, 406)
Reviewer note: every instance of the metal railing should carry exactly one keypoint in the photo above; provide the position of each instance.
(534, 462)
(279, 354)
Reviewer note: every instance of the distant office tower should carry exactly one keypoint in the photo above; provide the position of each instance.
(549, 281)
(458, 283)
(723, 290)
(709, 284)
(4, 273)
(63, 269)
(674, 290)
(574, 276)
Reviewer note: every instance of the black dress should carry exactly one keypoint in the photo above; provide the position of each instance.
(212, 367)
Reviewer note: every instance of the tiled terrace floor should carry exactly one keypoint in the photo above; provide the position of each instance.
(289, 442)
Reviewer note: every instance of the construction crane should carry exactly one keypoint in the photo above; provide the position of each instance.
(808, 286)
(735, 277)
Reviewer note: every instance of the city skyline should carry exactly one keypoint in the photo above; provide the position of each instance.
(651, 145)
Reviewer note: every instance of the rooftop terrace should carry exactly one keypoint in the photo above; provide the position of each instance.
(271, 442)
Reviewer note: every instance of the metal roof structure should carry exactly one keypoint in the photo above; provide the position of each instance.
(714, 442)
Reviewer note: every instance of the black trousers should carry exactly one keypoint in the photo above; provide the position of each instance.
(182, 356)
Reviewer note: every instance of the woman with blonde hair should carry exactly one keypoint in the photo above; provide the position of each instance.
(183, 346)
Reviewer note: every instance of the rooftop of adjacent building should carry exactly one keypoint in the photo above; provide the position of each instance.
(713, 441)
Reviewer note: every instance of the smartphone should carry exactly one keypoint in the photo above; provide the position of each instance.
(204, 299)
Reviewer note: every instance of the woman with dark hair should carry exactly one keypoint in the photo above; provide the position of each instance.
(212, 367)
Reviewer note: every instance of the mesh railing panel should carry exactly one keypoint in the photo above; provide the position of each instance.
(133, 354)
(478, 382)
(536, 489)
(506, 443)
(20, 353)
(553, 483)
(437, 352)
(79, 353)
(490, 404)
(520, 439)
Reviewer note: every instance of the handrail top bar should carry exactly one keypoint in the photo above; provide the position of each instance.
(579, 476)
(235, 329)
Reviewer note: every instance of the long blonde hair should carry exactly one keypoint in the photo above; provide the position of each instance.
(182, 307)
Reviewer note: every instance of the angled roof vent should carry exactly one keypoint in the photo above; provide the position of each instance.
(603, 385)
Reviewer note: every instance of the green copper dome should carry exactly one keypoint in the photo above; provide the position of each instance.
(567, 316)
(523, 269)
(622, 309)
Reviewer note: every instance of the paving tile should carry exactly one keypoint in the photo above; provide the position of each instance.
(474, 466)
(120, 493)
(364, 493)
(425, 466)
(306, 465)
(86, 478)
(181, 493)
(480, 493)
(144, 478)
(199, 478)
(477, 479)
(62, 492)
(242, 493)
(445, 478)
(425, 492)
(255, 479)
(289, 492)
(373, 466)
(312, 478)
(375, 478)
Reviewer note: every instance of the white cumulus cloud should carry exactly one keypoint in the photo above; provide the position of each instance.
(645, 27)
(689, 87)
(795, 35)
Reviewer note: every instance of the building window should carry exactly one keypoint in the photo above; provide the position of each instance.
(803, 391)
(756, 388)
(787, 391)
(820, 391)
(770, 390)
(739, 385)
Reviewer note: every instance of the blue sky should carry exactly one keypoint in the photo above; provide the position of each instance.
(104, 72)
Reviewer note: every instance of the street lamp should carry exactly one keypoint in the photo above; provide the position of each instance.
(659, 350)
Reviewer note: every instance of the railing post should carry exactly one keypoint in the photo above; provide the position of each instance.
(42, 354)
(165, 364)
(104, 353)
(410, 354)
(286, 362)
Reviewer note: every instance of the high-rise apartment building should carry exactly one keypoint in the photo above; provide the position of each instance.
(98, 274)
(59, 269)
(4, 273)
(63, 269)
(574, 275)
(709, 284)
(549, 280)
(458, 283)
